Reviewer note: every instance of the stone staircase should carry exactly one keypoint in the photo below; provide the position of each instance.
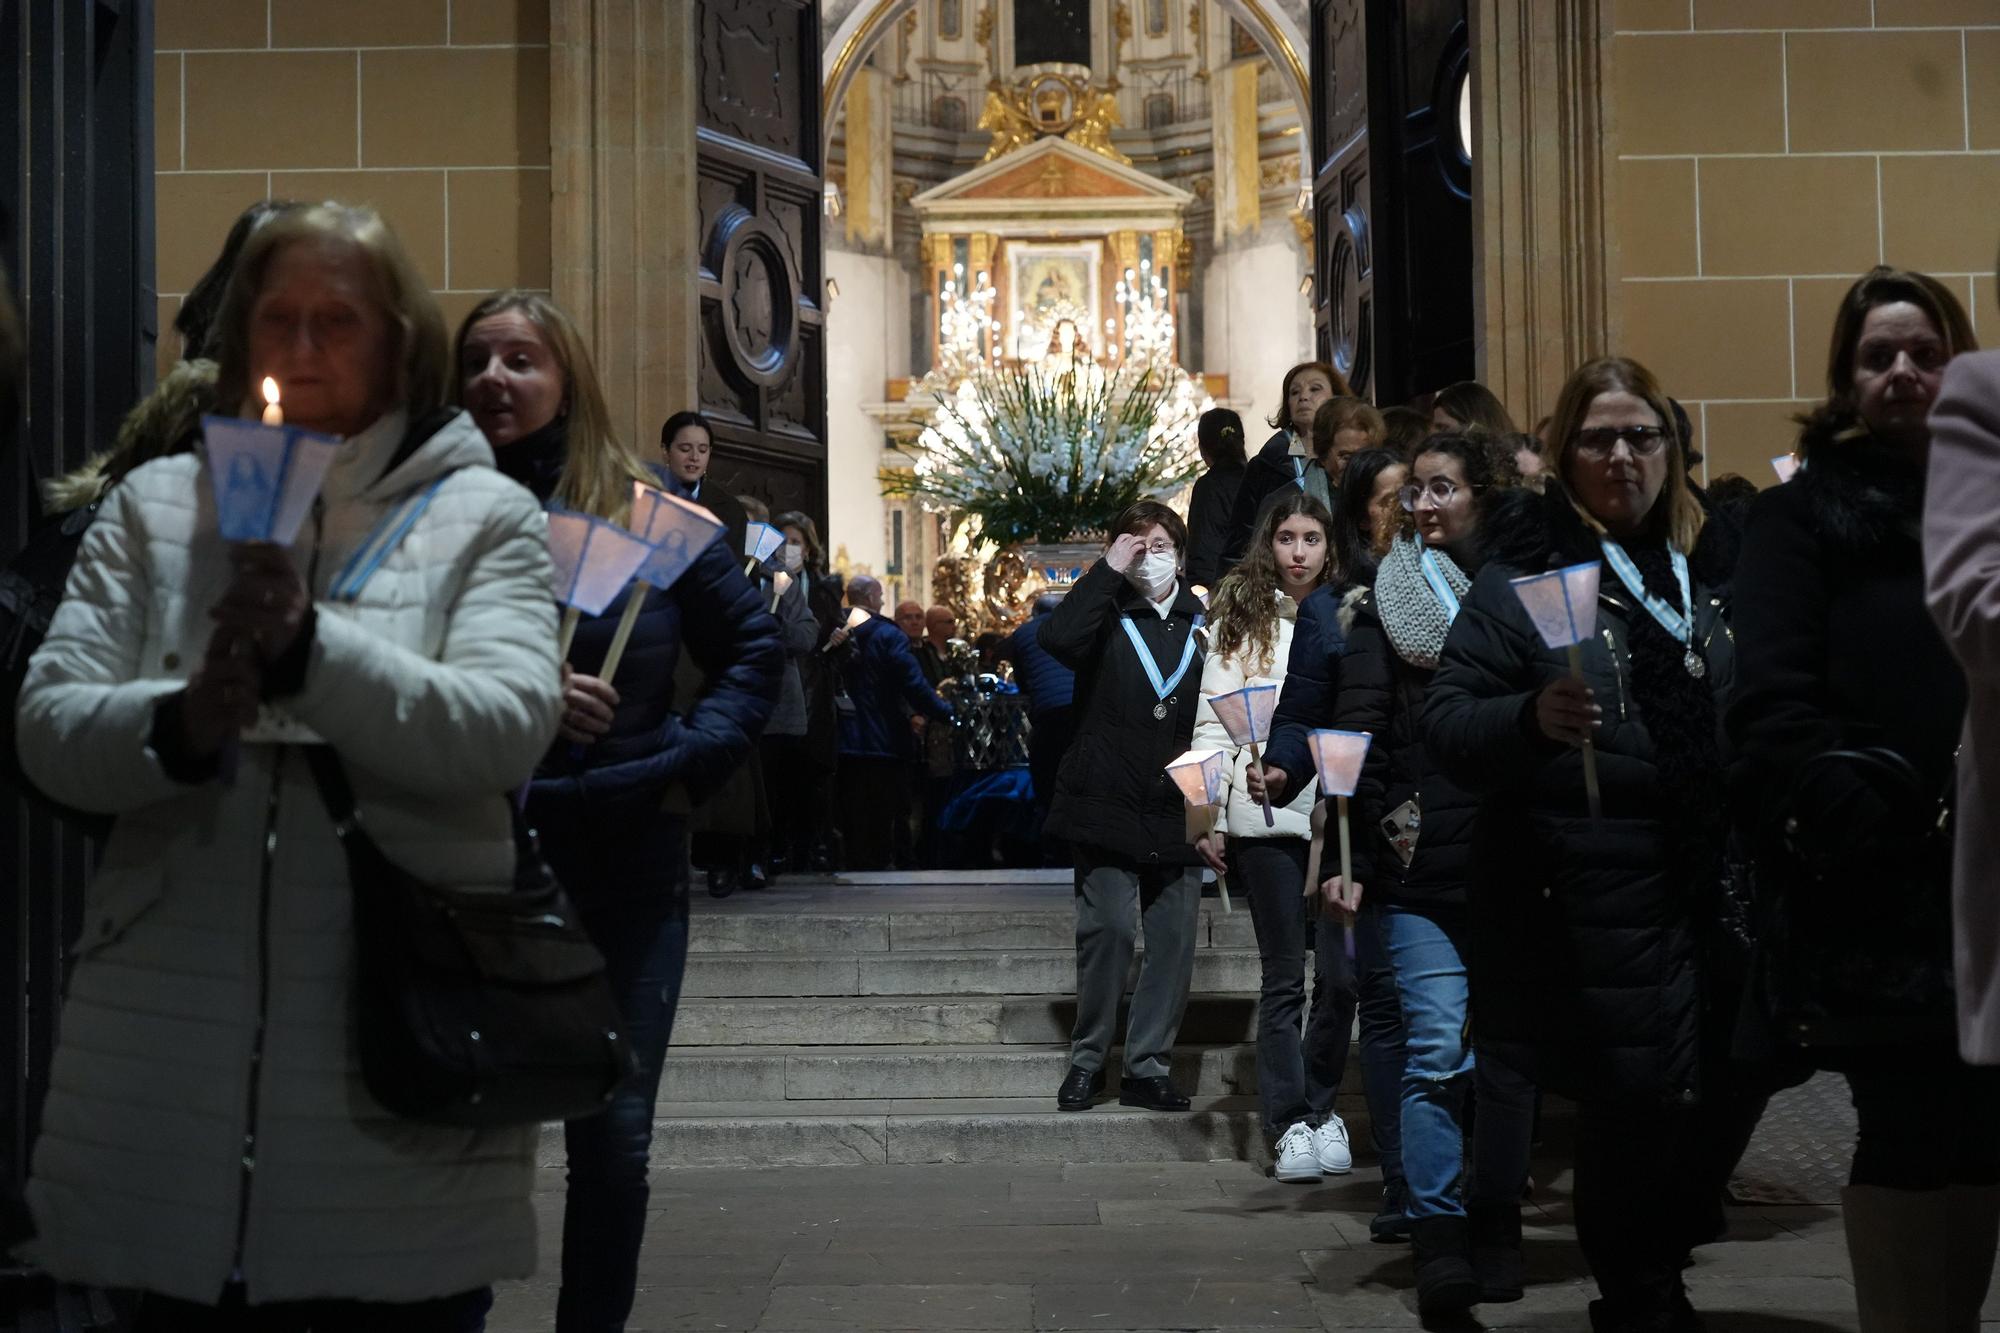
(925, 1019)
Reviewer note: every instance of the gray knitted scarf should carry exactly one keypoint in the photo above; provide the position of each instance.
(1411, 614)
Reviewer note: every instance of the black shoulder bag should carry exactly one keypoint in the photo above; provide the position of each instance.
(474, 1008)
(1853, 945)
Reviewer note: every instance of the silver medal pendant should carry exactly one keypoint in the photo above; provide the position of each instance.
(1160, 711)
(1696, 667)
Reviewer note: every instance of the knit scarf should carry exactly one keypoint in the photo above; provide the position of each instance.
(1411, 614)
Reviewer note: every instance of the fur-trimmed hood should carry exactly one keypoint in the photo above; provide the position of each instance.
(1860, 493)
(1532, 530)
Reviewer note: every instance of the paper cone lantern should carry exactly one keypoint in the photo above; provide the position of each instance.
(1199, 775)
(594, 560)
(265, 478)
(1562, 603)
(856, 618)
(1246, 713)
(761, 541)
(1786, 466)
(1338, 755)
(678, 531)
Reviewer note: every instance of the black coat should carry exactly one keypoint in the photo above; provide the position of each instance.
(1270, 469)
(886, 685)
(1383, 695)
(1585, 966)
(1113, 795)
(1839, 652)
(1209, 511)
(718, 617)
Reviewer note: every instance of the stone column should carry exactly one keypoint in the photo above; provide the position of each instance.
(1545, 264)
(625, 232)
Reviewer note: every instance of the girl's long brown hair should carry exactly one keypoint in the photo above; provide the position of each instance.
(599, 468)
(1243, 609)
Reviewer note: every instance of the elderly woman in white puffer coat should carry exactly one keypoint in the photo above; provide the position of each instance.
(208, 1139)
(1251, 616)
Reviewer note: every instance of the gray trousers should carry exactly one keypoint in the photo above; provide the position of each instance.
(1111, 903)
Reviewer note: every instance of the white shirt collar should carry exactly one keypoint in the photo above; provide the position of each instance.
(1165, 606)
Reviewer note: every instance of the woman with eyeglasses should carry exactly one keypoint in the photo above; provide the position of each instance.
(1588, 974)
(1413, 859)
(1841, 656)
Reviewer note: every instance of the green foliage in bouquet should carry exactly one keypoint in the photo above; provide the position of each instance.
(1048, 453)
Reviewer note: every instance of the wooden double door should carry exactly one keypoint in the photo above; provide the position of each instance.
(1392, 194)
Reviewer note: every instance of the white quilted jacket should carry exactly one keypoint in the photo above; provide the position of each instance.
(1240, 816)
(439, 687)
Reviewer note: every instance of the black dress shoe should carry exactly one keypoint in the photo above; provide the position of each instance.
(722, 882)
(1153, 1094)
(1080, 1087)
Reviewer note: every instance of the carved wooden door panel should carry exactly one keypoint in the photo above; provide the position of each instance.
(762, 375)
(1343, 239)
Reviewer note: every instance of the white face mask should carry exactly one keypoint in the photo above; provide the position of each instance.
(794, 557)
(1154, 574)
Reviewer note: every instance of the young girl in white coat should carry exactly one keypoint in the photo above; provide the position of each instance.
(1252, 613)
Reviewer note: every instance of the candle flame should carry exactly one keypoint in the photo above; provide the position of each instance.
(270, 390)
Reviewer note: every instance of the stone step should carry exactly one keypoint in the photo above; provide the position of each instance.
(925, 1131)
(832, 1073)
(930, 1020)
(973, 972)
(889, 929)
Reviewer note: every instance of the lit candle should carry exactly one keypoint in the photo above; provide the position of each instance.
(273, 414)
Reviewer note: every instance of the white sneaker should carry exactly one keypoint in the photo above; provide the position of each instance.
(1297, 1159)
(1329, 1146)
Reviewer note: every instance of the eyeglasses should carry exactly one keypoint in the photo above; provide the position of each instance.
(1441, 492)
(1599, 441)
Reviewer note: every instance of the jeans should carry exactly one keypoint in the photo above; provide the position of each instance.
(1383, 1051)
(629, 884)
(1296, 1079)
(1427, 952)
(1111, 901)
(1928, 1121)
(463, 1313)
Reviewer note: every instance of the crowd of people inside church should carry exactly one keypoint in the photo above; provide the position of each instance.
(1661, 870)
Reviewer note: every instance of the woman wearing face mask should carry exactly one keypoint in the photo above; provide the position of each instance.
(1286, 456)
(596, 798)
(1127, 629)
(799, 770)
(1839, 654)
(1585, 929)
(1413, 860)
(1251, 614)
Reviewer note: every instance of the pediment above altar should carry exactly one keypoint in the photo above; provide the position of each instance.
(1051, 182)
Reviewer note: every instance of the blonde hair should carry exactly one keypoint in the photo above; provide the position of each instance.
(416, 326)
(598, 468)
(1683, 516)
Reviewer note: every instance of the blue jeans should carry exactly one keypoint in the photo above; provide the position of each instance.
(1427, 952)
(1383, 1051)
(464, 1313)
(629, 882)
(1297, 1079)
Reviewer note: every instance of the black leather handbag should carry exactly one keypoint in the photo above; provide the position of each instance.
(1853, 941)
(475, 1008)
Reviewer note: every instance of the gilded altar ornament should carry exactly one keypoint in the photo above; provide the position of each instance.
(1007, 589)
(1010, 126)
(952, 586)
(1096, 117)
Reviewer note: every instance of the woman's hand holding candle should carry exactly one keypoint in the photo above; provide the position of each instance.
(588, 706)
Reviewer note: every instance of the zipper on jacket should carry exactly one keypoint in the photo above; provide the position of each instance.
(266, 867)
(1617, 670)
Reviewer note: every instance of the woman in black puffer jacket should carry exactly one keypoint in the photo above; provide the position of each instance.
(1839, 654)
(597, 796)
(1467, 1234)
(1587, 971)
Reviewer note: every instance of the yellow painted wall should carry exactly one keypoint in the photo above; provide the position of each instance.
(1770, 151)
(434, 111)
